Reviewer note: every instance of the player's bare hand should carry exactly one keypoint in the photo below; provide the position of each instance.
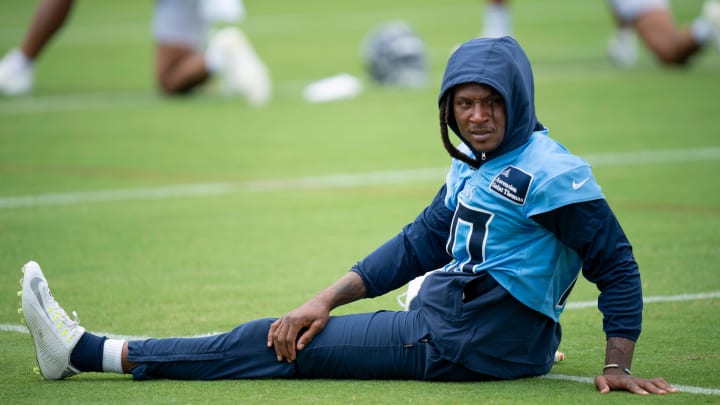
(615, 382)
(309, 318)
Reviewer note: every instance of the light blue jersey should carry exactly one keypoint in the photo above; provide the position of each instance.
(512, 227)
(492, 229)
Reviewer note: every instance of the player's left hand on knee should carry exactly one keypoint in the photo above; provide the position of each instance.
(296, 329)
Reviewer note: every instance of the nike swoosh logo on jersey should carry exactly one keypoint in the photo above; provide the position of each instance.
(576, 185)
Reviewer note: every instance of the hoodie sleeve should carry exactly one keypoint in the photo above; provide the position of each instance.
(591, 229)
(417, 249)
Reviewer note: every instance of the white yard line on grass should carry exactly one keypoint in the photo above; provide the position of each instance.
(61, 103)
(333, 181)
(591, 380)
(571, 305)
(669, 298)
(587, 380)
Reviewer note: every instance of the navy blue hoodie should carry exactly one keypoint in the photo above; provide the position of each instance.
(590, 228)
(501, 64)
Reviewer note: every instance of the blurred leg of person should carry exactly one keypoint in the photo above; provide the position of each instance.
(671, 44)
(655, 25)
(17, 66)
(179, 34)
(186, 59)
(496, 22)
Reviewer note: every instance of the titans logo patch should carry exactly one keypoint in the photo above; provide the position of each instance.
(513, 184)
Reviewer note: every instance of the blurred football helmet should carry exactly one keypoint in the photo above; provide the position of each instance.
(395, 55)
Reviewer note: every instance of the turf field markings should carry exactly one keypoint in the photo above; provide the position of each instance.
(333, 181)
(591, 380)
(111, 100)
(668, 298)
(13, 328)
(654, 156)
(570, 305)
(552, 376)
(78, 102)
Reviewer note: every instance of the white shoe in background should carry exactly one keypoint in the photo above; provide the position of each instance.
(622, 47)
(240, 68)
(16, 74)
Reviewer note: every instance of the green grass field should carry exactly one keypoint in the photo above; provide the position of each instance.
(258, 223)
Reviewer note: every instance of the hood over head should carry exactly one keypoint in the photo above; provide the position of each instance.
(501, 64)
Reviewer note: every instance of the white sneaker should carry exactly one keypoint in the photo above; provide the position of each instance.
(711, 12)
(406, 298)
(622, 47)
(53, 333)
(241, 70)
(16, 74)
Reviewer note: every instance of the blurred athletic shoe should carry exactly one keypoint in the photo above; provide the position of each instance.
(54, 333)
(16, 74)
(622, 47)
(241, 70)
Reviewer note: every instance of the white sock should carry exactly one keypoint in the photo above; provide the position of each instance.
(701, 30)
(213, 58)
(497, 21)
(112, 356)
(17, 59)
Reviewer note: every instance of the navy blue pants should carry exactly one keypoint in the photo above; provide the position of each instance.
(379, 345)
(499, 338)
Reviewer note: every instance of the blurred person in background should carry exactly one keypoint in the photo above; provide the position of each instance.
(651, 20)
(496, 19)
(184, 58)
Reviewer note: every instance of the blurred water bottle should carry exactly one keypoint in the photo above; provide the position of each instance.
(339, 87)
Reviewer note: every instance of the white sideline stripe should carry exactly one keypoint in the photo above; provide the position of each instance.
(591, 380)
(670, 298)
(570, 305)
(551, 376)
(78, 102)
(130, 99)
(654, 156)
(14, 328)
(334, 181)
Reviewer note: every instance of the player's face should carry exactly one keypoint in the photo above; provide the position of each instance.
(480, 115)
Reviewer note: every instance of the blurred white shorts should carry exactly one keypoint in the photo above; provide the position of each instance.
(186, 22)
(178, 22)
(629, 10)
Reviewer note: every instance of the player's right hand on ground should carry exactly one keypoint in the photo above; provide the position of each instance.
(642, 386)
(309, 318)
